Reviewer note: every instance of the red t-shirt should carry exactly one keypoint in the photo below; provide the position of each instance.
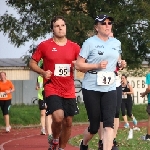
(58, 59)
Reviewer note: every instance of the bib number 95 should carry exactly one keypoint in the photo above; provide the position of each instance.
(62, 70)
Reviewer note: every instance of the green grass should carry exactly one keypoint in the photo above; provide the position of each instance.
(133, 144)
(24, 115)
(30, 114)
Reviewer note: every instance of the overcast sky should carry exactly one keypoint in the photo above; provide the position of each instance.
(7, 50)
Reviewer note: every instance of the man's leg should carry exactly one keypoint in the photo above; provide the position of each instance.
(57, 118)
(49, 124)
(42, 118)
(148, 126)
(66, 131)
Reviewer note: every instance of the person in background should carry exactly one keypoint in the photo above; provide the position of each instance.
(127, 102)
(98, 58)
(45, 119)
(42, 104)
(58, 54)
(147, 93)
(118, 107)
(6, 89)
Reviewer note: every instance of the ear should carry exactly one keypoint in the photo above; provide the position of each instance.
(95, 26)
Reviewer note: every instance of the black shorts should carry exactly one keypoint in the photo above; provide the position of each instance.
(100, 106)
(42, 104)
(148, 109)
(5, 106)
(68, 105)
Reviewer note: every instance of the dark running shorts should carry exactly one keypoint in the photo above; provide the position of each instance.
(5, 106)
(68, 105)
(42, 104)
(148, 109)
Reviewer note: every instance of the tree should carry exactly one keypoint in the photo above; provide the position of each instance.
(131, 24)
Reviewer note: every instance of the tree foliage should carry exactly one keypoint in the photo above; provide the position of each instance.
(131, 24)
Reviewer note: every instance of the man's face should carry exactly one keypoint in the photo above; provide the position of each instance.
(59, 28)
(104, 28)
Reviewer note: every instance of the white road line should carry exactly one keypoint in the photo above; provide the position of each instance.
(1, 146)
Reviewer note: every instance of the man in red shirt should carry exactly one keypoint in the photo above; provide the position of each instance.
(58, 54)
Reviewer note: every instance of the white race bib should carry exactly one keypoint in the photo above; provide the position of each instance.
(62, 70)
(40, 85)
(3, 95)
(124, 96)
(105, 78)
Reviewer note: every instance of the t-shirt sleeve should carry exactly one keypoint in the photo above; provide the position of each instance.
(37, 55)
(85, 50)
(148, 79)
(11, 85)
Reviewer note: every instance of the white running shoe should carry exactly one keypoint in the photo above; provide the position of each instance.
(8, 129)
(43, 132)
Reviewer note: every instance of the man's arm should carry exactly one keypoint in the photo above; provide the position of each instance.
(146, 91)
(34, 66)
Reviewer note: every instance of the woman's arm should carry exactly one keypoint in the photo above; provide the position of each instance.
(84, 66)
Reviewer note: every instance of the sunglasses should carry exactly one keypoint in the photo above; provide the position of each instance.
(104, 23)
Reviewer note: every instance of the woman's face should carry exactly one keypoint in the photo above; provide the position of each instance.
(123, 79)
(2, 76)
(104, 28)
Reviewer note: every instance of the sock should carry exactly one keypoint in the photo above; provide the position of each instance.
(55, 140)
(100, 141)
(60, 149)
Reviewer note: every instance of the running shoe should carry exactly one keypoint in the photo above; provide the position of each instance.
(53, 145)
(115, 145)
(50, 138)
(145, 138)
(100, 145)
(43, 132)
(115, 148)
(134, 121)
(83, 147)
(8, 129)
(126, 125)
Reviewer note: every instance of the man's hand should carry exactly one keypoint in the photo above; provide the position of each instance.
(47, 74)
(142, 94)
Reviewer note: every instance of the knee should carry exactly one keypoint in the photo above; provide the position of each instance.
(58, 119)
(43, 114)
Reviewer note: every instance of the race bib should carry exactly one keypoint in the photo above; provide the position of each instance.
(124, 96)
(105, 78)
(3, 95)
(40, 85)
(62, 70)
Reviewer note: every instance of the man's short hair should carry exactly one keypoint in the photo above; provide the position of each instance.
(55, 19)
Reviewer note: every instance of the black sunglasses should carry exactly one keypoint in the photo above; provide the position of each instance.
(104, 23)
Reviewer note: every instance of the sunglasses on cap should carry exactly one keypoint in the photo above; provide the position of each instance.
(104, 23)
